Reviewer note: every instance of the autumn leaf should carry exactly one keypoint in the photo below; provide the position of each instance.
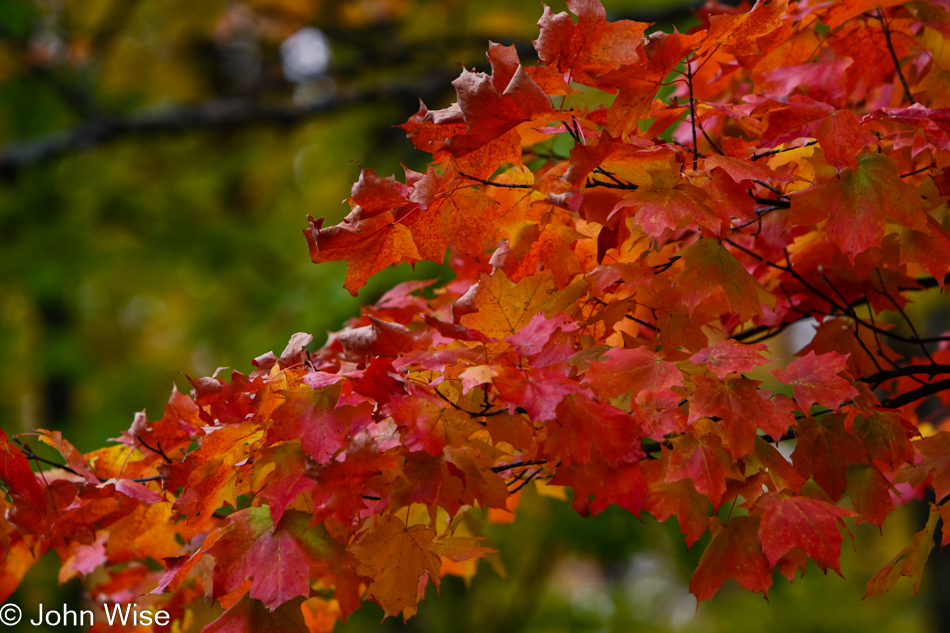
(730, 356)
(838, 132)
(662, 210)
(816, 379)
(824, 451)
(596, 486)
(230, 549)
(374, 194)
(278, 569)
(538, 391)
(395, 558)
(368, 245)
(678, 498)
(281, 477)
(430, 423)
(583, 425)
(16, 473)
(505, 307)
(703, 462)
(455, 218)
(734, 552)
(489, 111)
(252, 615)
(739, 34)
(721, 272)
(632, 371)
(211, 476)
(884, 437)
(311, 415)
(848, 339)
(790, 520)
(838, 13)
(909, 562)
(870, 493)
(591, 47)
(781, 473)
(858, 205)
(936, 460)
(824, 81)
(742, 410)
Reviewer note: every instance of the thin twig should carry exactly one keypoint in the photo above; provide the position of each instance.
(779, 151)
(692, 112)
(154, 450)
(921, 392)
(907, 370)
(217, 114)
(917, 171)
(642, 322)
(913, 329)
(501, 469)
(494, 184)
(610, 185)
(29, 454)
(890, 47)
(526, 481)
(463, 410)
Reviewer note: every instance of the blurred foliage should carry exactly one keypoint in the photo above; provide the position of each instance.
(144, 255)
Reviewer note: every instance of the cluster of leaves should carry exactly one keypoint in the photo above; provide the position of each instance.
(607, 304)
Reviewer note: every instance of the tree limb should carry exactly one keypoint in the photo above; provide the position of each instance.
(218, 114)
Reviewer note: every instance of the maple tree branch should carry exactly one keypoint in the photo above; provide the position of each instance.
(687, 148)
(709, 140)
(784, 437)
(218, 114)
(612, 176)
(158, 450)
(769, 332)
(494, 184)
(573, 133)
(472, 414)
(758, 220)
(774, 190)
(857, 337)
(877, 341)
(910, 323)
(661, 268)
(29, 454)
(907, 370)
(630, 316)
(642, 322)
(525, 482)
(501, 469)
(610, 185)
(917, 171)
(788, 268)
(890, 47)
(775, 204)
(848, 308)
(879, 330)
(916, 394)
(779, 151)
(692, 112)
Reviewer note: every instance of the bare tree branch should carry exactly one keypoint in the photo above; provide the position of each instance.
(916, 394)
(220, 114)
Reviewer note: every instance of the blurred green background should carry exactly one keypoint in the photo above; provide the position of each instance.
(158, 159)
